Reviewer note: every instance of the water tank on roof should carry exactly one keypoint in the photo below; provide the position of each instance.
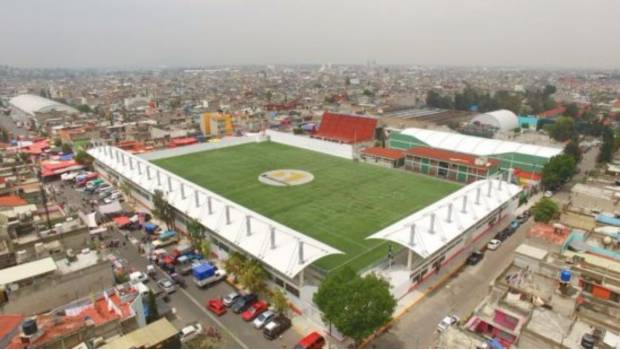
(29, 326)
(565, 275)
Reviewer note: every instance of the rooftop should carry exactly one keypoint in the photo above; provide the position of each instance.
(28, 270)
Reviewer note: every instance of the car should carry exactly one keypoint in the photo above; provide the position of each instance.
(231, 298)
(138, 277)
(314, 340)
(263, 319)
(494, 244)
(243, 303)
(548, 194)
(254, 310)
(190, 331)
(103, 188)
(475, 257)
(446, 322)
(167, 285)
(217, 306)
(276, 327)
(514, 225)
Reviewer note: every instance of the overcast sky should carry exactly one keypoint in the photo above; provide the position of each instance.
(135, 33)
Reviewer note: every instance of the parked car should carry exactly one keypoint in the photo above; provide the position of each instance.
(494, 244)
(313, 340)
(138, 277)
(230, 299)
(548, 194)
(475, 257)
(243, 303)
(190, 331)
(276, 327)
(167, 285)
(263, 319)
(447, 322)
(254, 310)
(216, 306)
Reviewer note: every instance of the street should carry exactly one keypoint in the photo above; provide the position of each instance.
(189, 303)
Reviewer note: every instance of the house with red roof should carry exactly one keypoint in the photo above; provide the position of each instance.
(388, 157)
(552, 113)
(10, 326)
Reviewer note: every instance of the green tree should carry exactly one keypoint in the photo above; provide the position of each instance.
(544, 210)
(5, 136)
(66, 148)
(562, 130)
(152, 307)
(549, 90)
(235, 264)
(357, 306)
(84, 108)
(572, 110)
(195, 231)
(83, 158)
(125, 190)
(558, 170)
(203, 341)
(572, 149)
(253, 276)
(162, 209)
(205, 248)
(279, 301)
(57, 142)
(608, 147)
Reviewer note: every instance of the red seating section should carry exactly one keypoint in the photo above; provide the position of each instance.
(346, 128)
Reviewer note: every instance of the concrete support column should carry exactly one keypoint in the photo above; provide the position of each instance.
(209, 206)
(301, 251)
(227, 215)
(449, 218)
(432, 228)
(158, 178)
(301, 278)
(130, 164)
(489, 189)
(196, 198)
(148, 172)
(139, 168)
(478, 195)
(464, 209)
(169, 183)
(248, 225)
(123, 159)
(272, 237)
(182, 191)
(409, 259)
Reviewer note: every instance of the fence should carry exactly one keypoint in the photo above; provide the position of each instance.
(330, 148)
(199, 147)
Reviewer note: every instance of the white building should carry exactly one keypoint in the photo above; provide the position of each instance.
(29, 105)
(503, 119)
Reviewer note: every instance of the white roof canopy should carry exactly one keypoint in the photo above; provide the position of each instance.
(478, 146)
(32, 104)
(431, 228)
(27, 270)
(284, 249)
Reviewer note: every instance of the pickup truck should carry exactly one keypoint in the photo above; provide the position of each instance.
(204, 274)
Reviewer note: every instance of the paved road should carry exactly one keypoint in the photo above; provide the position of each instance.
(459, 294)
(189, 302)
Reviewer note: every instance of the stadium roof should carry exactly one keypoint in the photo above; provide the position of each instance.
(32, 104)
(284, 249)
(477, 145)
(428, 230)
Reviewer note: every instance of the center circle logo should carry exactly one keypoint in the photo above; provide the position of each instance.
(285, 177)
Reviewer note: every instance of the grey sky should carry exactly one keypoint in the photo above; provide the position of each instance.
(123, 33)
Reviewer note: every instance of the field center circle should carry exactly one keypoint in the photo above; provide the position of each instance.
(285, 177)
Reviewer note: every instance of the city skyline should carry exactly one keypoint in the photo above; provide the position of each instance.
(150, 34)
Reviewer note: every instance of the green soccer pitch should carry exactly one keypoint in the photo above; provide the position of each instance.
(346, 202)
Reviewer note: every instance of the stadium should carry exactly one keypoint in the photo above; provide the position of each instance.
(304, 206)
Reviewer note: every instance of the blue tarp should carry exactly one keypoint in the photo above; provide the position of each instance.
(67, 156)
(167, 234)
(494, 344)
(150, 227)
(608, 219)
(203, 271)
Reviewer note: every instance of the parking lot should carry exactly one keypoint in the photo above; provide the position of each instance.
(188, 303)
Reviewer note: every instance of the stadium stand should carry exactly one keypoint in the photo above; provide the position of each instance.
(345, 128)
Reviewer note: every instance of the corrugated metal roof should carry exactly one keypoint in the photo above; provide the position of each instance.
(477, 145)
(28, 270)
(145, 337)
(31, 104)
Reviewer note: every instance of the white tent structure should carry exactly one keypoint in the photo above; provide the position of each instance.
(277, 246)
(427, 231)
(31, 104)
(503, 119)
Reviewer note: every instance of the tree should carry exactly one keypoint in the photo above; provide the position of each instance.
(195, 231)
(152, 307)
(434, 99)
(83, 158)
(572, 149)
(162, 209)
(253, 276)
(606, 153)
(357, 306)
(57, 142)
(562, 130)
(544, 210)
(5, 136)
(572, 110)
(558, 170)
(125, 189)
(549, 90)
(279, 301)
(66, 148)
(205, 248)
(203, 341)
(84, 108)
(235, 264)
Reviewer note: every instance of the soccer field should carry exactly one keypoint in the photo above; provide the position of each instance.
(345, 203)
